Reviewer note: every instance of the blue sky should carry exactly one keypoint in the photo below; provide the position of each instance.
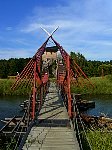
(85, 26)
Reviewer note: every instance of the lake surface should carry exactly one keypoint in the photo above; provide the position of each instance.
(9, 106)
(103, 104)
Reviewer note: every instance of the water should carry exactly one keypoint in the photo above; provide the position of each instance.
(9, 106)
(103, 104)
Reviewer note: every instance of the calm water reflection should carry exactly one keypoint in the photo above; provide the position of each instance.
(103, 104)
(9, 106)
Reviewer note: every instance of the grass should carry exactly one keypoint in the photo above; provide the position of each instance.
(5, 88)
(102, 85)
(100, 140)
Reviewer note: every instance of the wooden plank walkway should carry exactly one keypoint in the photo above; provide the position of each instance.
(53, 131)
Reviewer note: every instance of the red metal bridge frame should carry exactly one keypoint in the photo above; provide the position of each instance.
(70, 72)
(32, 73)
(66, 58)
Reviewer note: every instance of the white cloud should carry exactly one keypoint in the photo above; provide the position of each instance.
(76, 18)
(7, 53)
(9, 28)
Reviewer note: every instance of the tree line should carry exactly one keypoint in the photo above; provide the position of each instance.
(12, 66)
(91, 68)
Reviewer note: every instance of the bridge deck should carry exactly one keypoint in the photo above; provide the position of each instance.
(53, 131)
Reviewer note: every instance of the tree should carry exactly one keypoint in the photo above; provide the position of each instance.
(12, 66)
(105, 69)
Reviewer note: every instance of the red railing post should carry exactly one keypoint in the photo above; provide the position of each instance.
(68, 90)
(34, 92)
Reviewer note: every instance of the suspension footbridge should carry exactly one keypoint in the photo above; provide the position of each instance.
(50, 118)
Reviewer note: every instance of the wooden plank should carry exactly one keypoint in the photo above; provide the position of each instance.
(53, 131)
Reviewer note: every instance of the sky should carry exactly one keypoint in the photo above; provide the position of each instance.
(85, 26)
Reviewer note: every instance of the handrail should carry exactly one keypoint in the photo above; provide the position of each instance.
(32, 123)
(16, 128)
(77, 126)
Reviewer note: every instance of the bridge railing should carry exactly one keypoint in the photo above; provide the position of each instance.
(79, 127)
(18, 129)
(34, 121)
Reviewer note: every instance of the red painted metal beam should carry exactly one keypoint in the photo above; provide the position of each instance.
(68, 83)
(34, 92)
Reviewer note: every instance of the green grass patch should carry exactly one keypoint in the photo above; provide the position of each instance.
(102, 85)
(5, 88)
(100, 140)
